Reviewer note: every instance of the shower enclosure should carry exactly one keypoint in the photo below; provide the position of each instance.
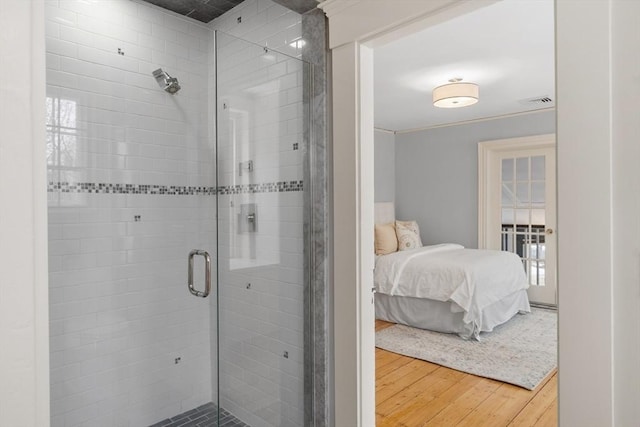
(176, 158)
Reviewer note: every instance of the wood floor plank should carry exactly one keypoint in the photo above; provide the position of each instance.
(383, 357)
(550, 416)
(537, 407)
(429, 403)
(431, 384)
(499, 408)
(390, 385)
(381, 324)
(449, 373)
(392, 366)
(464, 403)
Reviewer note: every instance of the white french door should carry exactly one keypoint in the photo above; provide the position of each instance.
(518, 207)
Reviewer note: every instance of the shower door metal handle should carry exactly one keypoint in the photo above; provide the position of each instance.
(207, 273)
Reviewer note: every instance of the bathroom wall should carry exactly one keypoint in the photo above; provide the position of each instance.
(131, 182)
(260, 119)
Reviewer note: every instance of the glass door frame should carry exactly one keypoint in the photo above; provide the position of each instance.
(305, 146)
(490, 154)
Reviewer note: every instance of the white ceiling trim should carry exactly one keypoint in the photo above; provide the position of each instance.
(483, 119)
(333, 7)
(385, 130)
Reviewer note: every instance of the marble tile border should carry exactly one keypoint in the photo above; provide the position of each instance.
(317, 227)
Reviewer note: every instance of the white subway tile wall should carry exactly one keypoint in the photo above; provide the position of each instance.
(129, 345)
(132, 190)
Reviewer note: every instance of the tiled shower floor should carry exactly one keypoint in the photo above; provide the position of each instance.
(202, 416)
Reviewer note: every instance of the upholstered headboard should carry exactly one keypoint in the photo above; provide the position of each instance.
(384, 212)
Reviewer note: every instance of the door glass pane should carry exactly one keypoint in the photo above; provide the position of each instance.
(538, 193)
(507, 239)
(538, 217)
(523, 227)
(507, 170)
(522, 217)
(522, 194)
(537, 168)
(522, 169)
(508, 217)
(537, 273)
(508, 198)
(262, 135)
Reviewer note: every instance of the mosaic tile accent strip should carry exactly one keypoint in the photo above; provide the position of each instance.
(269, 187)
(202, 416)
(105, 188)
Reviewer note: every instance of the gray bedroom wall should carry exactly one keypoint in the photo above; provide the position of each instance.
(437, 174)
(385, 166)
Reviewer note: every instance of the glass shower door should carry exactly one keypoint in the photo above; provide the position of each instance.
(262, 131)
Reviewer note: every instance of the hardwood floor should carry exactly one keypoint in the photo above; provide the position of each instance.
(411, 392)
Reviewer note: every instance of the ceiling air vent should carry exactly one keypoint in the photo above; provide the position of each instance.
(540, 100)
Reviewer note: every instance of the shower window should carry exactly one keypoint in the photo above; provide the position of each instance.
(63, 157)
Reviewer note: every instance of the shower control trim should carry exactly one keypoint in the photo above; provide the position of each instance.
(247, 166)
(248, 218)
(207, 274)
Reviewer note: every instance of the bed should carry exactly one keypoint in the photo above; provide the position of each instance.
(448, 288)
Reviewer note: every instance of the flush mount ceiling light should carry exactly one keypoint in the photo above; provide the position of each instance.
(455, 94)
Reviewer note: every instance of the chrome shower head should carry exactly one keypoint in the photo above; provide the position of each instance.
(166, 82)
(172, 85)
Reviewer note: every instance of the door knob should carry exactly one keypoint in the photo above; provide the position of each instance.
(549, 231)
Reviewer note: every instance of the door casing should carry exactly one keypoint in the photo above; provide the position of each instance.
(490, 154)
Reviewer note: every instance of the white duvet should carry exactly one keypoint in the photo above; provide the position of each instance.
(471, 278)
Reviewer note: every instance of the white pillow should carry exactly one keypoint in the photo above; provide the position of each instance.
(408, 234)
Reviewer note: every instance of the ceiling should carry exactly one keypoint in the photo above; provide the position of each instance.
(207, 10)
(201, 10)
(507, 48)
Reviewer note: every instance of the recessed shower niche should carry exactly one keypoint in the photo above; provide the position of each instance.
(144, 165)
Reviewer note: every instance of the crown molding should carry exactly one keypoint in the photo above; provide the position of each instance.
(393, 132)
(334, 7)
(483, 119)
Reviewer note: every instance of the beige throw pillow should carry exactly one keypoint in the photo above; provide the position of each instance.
(408, 235)
(386, 241)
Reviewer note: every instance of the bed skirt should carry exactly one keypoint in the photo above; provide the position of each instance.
(447, 316)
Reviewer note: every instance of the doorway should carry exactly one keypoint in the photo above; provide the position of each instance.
(430, 157)
(356, 157)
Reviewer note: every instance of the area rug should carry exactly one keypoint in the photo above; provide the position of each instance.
(522, 351)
